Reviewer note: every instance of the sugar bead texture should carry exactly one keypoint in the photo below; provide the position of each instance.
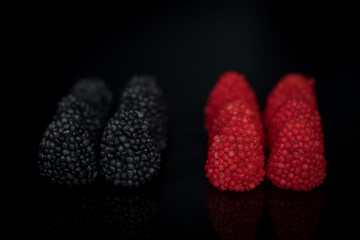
(96, 93)
(230, 86)
(295, 108)
(128, 154)
(232, 108)
(72, 107)
(296, 159)
(142, 95)
(67, 154)
(235, 157)
(292, 85)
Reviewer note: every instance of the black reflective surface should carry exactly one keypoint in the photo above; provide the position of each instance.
(161, 210)
(186, 47)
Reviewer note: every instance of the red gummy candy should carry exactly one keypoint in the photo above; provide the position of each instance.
(230, 109)
(235, 157)
(296, 159)
(292, 85)
(230, 86)
(294, 108)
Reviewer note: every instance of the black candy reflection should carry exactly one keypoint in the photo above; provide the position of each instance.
(101, 210)
(71, 212)
(131, 213)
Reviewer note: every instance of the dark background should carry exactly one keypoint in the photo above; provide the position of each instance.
(186, 47)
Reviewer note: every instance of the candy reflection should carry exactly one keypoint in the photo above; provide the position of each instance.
(131, 213)
(71, 212)
(295, 215)
(235, 215)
